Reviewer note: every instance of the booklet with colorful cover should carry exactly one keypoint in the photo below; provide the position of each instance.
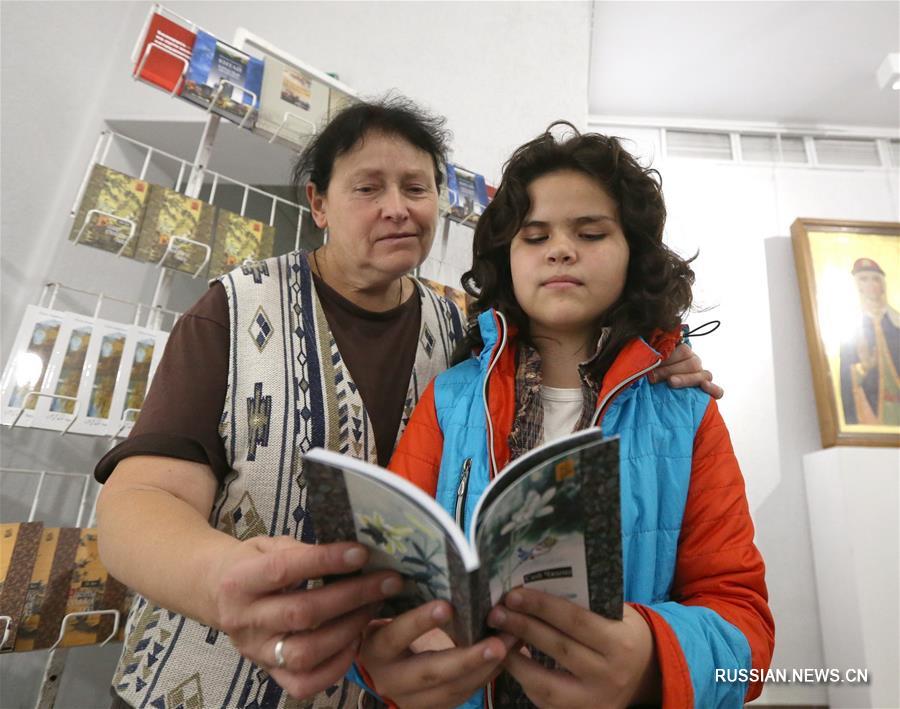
(48, 573)
(238, 239)
(174, 230)
(466, 195)
(221, 72)
(110, 212)
(293, 105)
(165, 53)
(102, 361)
(28, 369)
(550, 521)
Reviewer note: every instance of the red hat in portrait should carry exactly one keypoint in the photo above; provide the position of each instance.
(866, 264)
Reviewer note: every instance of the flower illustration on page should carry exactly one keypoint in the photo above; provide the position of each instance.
(535, 506)
(391, 538)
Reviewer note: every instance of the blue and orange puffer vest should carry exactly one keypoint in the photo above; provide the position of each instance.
(690, 566)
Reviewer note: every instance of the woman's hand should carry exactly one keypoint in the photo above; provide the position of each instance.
(684, 369)
(432, 677)
(608, 663)
(320, 628)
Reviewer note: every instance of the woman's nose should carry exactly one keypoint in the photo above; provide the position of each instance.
(393, 204)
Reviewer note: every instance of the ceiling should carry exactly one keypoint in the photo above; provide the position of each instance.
(794, 63)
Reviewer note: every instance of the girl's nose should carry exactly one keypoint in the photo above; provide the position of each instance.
(560, 251)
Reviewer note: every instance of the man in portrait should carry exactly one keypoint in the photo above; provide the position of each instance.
(870, 358)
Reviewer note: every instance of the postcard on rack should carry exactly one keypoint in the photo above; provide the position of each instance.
(38, 343)
(176, 231)
(223, 75)
(293, 105)
(65, 374)
(466, 195)
(549, 521)
(110, 212)
(338, 101)
(165, 53)
(66, 576)
(239, 239)
(99, 377)
(143, 350)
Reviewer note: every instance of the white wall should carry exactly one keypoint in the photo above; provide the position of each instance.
(499, 72)
(738, 216)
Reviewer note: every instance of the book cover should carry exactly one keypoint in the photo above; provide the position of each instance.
(165, 53)
(119, 201)
(212, 62)
(549, 521)
(19, 543)
(65, 373)
(66, 576)
(29, 361)
(173, 218)
(238, 239)
(467, 196)
(143, 349)
(292, 105)
(337, 102)
(100, 373)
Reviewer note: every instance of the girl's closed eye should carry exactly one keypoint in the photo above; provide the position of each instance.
(593, 237)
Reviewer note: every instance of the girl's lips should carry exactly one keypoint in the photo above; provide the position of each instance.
(562, 282)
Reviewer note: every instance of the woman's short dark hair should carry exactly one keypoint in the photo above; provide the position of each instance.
(657, 289)
(392, 115)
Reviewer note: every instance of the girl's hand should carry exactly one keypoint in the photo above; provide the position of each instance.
(608, 663)
(684, 369)
(320, 628)
(433, 677)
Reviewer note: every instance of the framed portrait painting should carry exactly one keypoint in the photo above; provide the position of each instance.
(849, 276)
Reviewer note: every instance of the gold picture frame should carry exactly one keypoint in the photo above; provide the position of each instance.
(849, 277)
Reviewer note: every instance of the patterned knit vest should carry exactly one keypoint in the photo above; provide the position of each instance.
(288, 391)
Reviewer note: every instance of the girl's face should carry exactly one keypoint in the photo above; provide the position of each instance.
(570, 258)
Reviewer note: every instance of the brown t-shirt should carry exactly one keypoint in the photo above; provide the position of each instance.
(180, 415)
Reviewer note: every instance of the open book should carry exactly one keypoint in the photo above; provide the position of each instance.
(549, 521)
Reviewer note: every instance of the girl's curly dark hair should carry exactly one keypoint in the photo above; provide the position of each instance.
(658, 283)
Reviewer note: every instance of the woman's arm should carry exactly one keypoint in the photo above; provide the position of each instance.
(154, 537)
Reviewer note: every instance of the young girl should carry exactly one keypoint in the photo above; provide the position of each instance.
(577, 300)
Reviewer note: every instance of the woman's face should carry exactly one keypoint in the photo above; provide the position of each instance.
(569, 260)
(380, 208)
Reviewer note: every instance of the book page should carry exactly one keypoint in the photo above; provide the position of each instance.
(404, 529)
(556, 528)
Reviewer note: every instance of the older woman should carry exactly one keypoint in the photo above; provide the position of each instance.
(203, 509)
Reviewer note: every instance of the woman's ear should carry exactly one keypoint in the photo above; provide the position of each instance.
(317, 205)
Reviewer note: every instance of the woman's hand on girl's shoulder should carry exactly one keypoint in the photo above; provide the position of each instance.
(683, 369)
(604, 662)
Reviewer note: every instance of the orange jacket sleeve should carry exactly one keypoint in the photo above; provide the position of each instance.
(718, 569)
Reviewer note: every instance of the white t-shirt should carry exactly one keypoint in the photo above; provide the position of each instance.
(562, 409)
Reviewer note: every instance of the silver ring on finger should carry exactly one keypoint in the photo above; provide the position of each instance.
(280, 662)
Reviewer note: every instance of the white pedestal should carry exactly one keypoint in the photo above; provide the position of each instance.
(854, 507)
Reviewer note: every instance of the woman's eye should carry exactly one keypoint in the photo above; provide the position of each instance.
(534, 238)
(417, 189)
(593, 237)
